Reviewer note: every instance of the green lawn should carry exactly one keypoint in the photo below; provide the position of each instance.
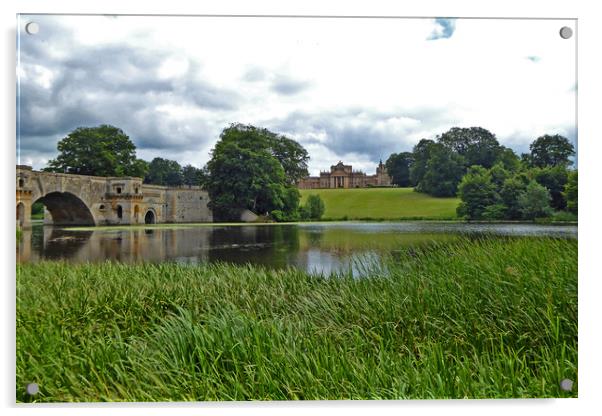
(488, 318)
(383, 203)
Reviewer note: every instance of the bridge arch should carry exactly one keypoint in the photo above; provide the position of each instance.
(150, 217)
(66, 208)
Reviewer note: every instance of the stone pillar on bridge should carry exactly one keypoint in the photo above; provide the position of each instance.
(24, 201)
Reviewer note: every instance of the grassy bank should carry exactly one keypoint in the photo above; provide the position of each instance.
(471, 318)
(383, 204)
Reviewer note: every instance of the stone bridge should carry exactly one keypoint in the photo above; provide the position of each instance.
(95, 200)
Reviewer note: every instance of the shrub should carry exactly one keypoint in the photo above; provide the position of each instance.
(535, 201)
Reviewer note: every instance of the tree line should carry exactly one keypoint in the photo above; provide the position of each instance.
(250, 168)
(492, 182)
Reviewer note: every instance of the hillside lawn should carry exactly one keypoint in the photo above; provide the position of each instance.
(382, 204)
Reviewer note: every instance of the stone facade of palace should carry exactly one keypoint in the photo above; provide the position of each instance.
(343, 176)
(95, 200)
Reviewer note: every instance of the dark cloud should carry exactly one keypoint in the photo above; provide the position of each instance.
(289, 86)
(361, 131)
(445, 29)
(108, 84)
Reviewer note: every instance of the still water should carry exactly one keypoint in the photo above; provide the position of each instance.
(313, 247)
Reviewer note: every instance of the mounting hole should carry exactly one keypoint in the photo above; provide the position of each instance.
(566, 32)
(32, 389)
(32, 28)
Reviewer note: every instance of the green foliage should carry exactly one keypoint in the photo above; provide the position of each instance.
(164, 172)
(421, 152)
(554, 178)
(37, 211)
(551, 150)
(510, 191)
(477, 192)
(476, 145)
(245, 172)
(315, 207)
(444, 170)
(99, 151)
(398, 167)
(494, 212)
(570, 193)
(483, 318)
(534, 202)
(192, 176)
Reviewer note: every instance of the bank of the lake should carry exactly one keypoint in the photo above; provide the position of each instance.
(475, 318)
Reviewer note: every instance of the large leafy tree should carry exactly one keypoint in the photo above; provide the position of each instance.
(292, 156)
(421, 153)
(535, 201)
(550, 150)
(477, 145)
(477, 192)
(246, 172)
(554, 178)
(444, 170)
(164, 172)
(100, 151)
(398, 167)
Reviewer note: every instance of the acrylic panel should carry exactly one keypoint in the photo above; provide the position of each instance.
(295, 208)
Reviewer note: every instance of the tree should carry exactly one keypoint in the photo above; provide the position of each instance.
(570, 192)
(550, 150)
(398, 167)
(192, 176)
(444, 170)
(554, 178)
(477, 145)
(421, 153)
(509, 159)
(478, 193)
(315, 207)
(244, 173)
(535, 201)
(99, 151)
(164, 172)
(511, 189)
(292, 156)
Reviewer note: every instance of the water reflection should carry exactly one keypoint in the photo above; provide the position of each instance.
(316, 248)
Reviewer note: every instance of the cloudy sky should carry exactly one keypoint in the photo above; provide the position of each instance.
(353, 90)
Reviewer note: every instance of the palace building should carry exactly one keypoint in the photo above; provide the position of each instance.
(343, 176)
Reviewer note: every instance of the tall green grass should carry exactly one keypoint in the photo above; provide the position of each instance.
(487, 318)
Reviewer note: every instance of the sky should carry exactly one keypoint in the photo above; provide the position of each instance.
(352, 90)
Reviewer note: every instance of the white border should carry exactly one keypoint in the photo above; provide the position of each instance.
(590, 135)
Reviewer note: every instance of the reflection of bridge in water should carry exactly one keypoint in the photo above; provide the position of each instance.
(95, 200)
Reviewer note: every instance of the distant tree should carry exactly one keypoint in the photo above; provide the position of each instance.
(550, 150)
(164, 172)
(475, 144)
(99, 151)
(535, 201)
(192, 176)
(477, 192)
(554, 178)
(398, 167)
(444, 170)
(570, 192)
(510, 191)
(421, 154)
(315, 207)
(245, 173)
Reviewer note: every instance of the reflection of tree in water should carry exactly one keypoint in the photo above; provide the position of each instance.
(55, 243)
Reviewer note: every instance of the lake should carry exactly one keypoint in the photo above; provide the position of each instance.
(314, 247)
